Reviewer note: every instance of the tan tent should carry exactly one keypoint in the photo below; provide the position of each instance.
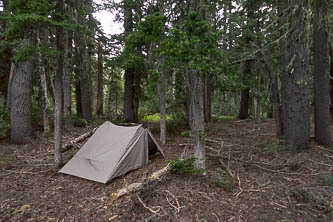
(112, 151)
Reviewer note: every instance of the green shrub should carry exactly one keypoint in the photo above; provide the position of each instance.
(186, 133)
(222, 179)
(174, 122)
(185, 166)
(79, 122)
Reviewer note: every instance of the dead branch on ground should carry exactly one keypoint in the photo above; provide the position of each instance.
(135, 187)
(77, 140)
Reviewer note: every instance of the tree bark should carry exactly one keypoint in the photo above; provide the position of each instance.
(162, 95)
(207, 98)
(67, 79)
(85, 83)
(321, 74)
(275, 97)
(131, 95)
(132, 74)
(78, 95)
(83, 71)
(197, 120)
(244, 104)
(295, 78)
(331, 83)
(58, 87)
(258, 110)
(245, 93)
(20, 101)
(43, 83)
(108, 110)
(100, 86)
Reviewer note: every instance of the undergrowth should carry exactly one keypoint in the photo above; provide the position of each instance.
(174, 122)
(272, 146)
(185, 166)
(327, 180)
(222, 179)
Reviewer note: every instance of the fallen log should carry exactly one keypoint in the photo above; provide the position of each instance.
(84, 136)
(135, 187)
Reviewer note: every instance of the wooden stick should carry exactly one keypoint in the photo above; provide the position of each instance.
(70, 144)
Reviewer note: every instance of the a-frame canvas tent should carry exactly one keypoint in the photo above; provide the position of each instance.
(110, 152)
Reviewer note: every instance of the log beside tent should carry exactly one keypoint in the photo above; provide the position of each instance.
(135, 187)
(77, 140)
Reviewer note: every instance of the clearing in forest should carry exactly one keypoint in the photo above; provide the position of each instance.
(268, 183)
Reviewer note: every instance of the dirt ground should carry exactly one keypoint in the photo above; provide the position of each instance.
(268, 182)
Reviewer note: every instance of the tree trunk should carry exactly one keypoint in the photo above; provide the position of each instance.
(132, 74)
(58, 88)
(258, 112)
(10, 80)
(100, 86)
(85, 82)
(275, 97)
(244, 104)
(108, 112)
(197, 119)
(321, 74)
(207, 99)
(295, 78)
(131, 95)
(331, 83)
(245, 93)
(78, 96)
(67, 80)
(43, 83)
(20, 101)
(162, 95)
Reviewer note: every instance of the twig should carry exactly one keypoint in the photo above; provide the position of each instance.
(239, 186)
(227, 168)
(148, 208)
(178, 207)
(212, 149)
(211, 140)
(218, 220)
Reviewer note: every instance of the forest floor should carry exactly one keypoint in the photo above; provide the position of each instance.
(269, 183)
